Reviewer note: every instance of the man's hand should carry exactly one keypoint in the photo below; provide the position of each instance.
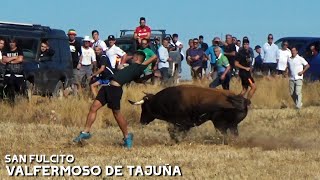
(248, 69)
(223, 77)
(170, 59)
(300, 73)
(78, 66)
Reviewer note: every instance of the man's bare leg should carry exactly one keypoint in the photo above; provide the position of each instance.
(244, 91)
(96, 105)
(253, 89)
(121, 122)
(94, 89)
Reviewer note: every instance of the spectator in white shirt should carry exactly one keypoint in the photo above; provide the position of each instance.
(87, 59)
(163, 61)
(284, 55)
(297, 66)
(270, 56)
(98, 42)
(116, 55)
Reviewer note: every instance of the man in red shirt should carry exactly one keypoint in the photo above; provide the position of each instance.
(142, 31)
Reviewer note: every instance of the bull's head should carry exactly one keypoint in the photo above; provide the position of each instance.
(146, 115)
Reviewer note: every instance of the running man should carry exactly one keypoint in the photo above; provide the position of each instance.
(243, 61)
(111, 95)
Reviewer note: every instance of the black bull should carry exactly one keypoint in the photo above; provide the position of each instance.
(186, 106)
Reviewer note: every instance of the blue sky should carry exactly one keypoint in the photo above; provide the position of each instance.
(252, 18)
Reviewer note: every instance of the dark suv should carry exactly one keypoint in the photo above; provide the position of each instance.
(45, 77)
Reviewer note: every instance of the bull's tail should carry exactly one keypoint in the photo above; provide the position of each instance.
(239, 102)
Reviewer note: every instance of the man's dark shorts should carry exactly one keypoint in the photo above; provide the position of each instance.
(272, 67)
(110, 95)
(246, 79)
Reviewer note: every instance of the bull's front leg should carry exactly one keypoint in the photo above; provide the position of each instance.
(178, 133)
(222, 128)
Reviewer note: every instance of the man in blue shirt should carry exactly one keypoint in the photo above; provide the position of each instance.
(213, 57)
(257, 64)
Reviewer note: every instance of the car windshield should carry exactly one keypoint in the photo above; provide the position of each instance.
(292, 42)
(126, 46)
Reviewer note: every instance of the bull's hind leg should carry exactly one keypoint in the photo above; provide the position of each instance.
(222, 127)
(177, 133)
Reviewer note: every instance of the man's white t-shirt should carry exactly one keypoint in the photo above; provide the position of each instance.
(178, 43)
(284, 55)
(115, 53)
(295, 66)
(0, 56)
(88, 56)
(100, 43)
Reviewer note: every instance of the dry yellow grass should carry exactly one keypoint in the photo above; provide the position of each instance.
(274, 143)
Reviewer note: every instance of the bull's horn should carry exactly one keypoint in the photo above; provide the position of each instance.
(136, 103)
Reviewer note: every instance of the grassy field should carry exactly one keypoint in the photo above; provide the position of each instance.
(276, 141)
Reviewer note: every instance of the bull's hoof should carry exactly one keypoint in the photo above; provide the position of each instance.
(176, 133)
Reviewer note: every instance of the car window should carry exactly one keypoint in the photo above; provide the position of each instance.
(292, 42)
(54, 45)
(127, 47)
(29, 47)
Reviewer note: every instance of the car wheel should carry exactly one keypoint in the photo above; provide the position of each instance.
(58, 90)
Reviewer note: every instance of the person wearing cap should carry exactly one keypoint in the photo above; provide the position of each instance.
(75, 49)
(243, 61)
(98, 42)
(87, 59)
(210, 53)
(116, 55)
(257, 64)
(142, 31)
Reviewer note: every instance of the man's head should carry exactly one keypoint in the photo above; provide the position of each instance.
(142, 22)
(95, 35)
(72, 34)
(195, 43)
(285, 45)
(217, 51)
(258, 49)
(200, 39)
(229, 39)
(111, 40)
(270, 38)
(144, 43)
(234, 40)
(239, 43)
(294, 51)
(175, 37)
(2, 43)
(44, 46)
(157, 40)
(165, 42)
(139, 57)
(245, 44)
(216, 41)
(86, 41)
(190, 43)
(13, 43)
(98, 50)
(314, 49)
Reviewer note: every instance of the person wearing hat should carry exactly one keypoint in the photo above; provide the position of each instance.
(75, 49)
(210, 53)
(87, 59)
(243, 61)
(116, 55)
(257, 64)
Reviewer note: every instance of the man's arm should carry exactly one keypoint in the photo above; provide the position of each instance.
(100, 70)
(7, 59)
(148, 35)
(238, 65)
(150, 60)
(306, 66)
(233, 53)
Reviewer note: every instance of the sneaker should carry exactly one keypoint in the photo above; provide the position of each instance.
(128, 141)
(81, 136)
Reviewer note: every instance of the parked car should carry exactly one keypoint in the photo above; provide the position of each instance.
(49, 77)
(303, 44)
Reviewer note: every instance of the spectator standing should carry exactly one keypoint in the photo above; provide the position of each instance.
(244, 62)
(116, 55)
(210, 52)
(2, 44)
(97, 41)
(270, 56)
(87, 59)
(195, 58)
(104, 71)
(75, 49)
(297, 66)
(177, 46)
(284, 55)
(235, 42)
(190, 43)
(230, 51)
(149, 55)
(163, 61)
(257, 65)
(223, 69)
(204, 46)
(238, 44)
(142, 32)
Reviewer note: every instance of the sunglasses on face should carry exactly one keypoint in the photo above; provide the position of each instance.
(285, 44)
(144, 44)
(270, 37)
(195, 42)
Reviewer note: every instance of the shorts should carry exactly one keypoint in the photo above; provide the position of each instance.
(272, 67)
(246, 79)
(84, 71)
(110, 95)
(103, 81)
